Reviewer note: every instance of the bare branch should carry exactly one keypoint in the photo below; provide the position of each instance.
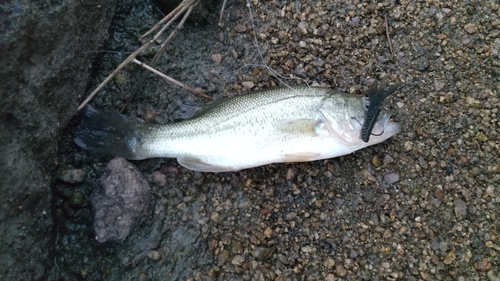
(160, 51)
(130, 58)
(222, 12)
(171, 17)
(192, 90)
(387, 34)
(166, 18)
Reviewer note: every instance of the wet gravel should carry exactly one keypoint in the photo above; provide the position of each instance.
(424, 205)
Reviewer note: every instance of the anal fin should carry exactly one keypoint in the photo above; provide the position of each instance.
(300, 157)
(197, 164)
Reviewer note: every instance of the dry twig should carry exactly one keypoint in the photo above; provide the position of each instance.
(161, 50)
(170, 79)
(222, 12)
(175, 13)
(130, 58)
(186, 5)
(387, 34)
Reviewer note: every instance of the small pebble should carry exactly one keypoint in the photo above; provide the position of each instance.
(423, 163)
(237, 260)
(388, 160)
(212, 245)
(159, 178)
(240, 28)
(154, 255)
(215, 217)
(353, 254)
(421, 64)
(391, 178)
(223, 257)
(149, 115)
(471, 28)
(290, 216)
(481, 137)
(438, 85)
(329, 263)
(383, 199)
(283, 36)
(439, 194)
(450, 258)
(368, 176)
(73, 176)
(483, 265)
(170, 171)
(248, 84)
(283, 258)
(472, 102)
(494, 169)
(262, 253)
(217, 58)
(308, 249)
(235, 54)
(460, 209)
(340, 270)
(290, 174)
(330, 277)
(268, 232)
(492, 277)
(248, 182)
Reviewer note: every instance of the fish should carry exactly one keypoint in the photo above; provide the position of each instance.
(278, 125)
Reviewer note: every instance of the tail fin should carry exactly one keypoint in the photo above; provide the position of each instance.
(108, 133)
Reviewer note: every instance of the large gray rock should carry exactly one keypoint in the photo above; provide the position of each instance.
(45, 55)
(119, 201)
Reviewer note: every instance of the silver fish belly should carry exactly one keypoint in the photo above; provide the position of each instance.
(272, 126)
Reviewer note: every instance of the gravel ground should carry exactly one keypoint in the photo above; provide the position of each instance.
(424, 205)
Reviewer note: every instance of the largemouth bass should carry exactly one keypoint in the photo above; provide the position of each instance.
(294, 124)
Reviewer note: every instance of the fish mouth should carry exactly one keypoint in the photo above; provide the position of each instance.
(384, 127)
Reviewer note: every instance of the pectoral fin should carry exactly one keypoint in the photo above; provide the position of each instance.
(300, 126)
(197, 164)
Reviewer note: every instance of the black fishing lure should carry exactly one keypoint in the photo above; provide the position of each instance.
(376, 96)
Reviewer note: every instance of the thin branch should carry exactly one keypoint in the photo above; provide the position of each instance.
(160, 51)
(179, 26)
(130, 58)
(222, 12)
(167, 17)
(172, 16)
(387, 34)
(189, 5)
(194, 91)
